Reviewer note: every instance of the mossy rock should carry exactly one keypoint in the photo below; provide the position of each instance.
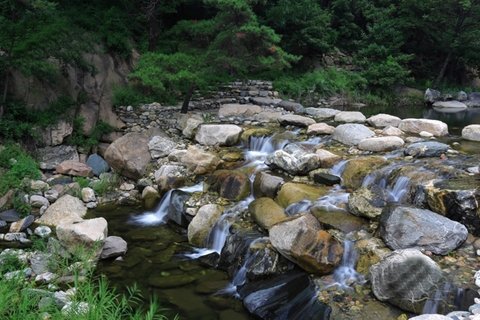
(266, 212)
(255, 132)
(357, 169)
(295, 192)
(232, 185)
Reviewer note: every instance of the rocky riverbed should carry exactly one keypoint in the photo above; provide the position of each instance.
(322, 213)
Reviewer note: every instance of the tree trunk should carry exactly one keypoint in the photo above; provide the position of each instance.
(441, 74)
(4, 94)
(153, 33)
(186, 101)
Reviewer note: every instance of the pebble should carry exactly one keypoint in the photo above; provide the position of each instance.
(42, 231)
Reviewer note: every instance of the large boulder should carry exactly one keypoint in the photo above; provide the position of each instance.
(199, 161)
(456, 199)
(291, 106)
(405, 227)
(294, 159)
(357, 169)
(266, 185)
(87, 233)
(218, 134)
(435, 127)
(296, 120)
(406, 279)
(350, 116)
(98, 164)
(232, 185)
(432, 96)
(161, 146)
(426, 149)
(50, 157)
(188, 123)
(302, 241)
(74, 168)
(203, 222)
(129, 155)
(295, 192)
(238, 110)
(321, 113)
(383, 120)
(380, 144)
(65, 210)
(266, 212)
(471, 132)
(351, 134)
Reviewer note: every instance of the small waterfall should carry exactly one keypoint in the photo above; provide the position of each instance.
(335, 200)
(345, 275)
(399, 189)
(301, 206)
(440, 295)
(259, 148)
(337, 170)
(159, 216)
(240, 276)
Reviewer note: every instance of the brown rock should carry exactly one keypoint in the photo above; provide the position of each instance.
(267, 212)
(74, 168)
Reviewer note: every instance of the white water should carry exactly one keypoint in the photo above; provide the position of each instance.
(335, 200)
(159, 215)
(346, 275)
(298, 207)
(259, 148)
(399, 189)
(337, 170)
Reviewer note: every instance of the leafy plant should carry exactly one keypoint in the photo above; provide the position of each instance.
(79, 139)
(18, 165)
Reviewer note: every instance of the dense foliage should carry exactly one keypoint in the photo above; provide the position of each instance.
(187, 44)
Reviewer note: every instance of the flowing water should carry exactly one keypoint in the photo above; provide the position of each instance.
(346, 275)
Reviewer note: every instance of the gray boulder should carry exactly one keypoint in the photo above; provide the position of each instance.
(321, 113)
(113, 247)
(351, 134)
(238, 110)
(435, 127)
(266, 185)
(405, 227)
(295, 120)
(218, 134)
(129, 155)
(449, 106)
(471, 132)
(291, 106)
(98, 164)
(380, 144)
(432, 95)
(383, 120)
(294, 159)
(65, 210)
(407, 279)
(426, 149)
(350, 116)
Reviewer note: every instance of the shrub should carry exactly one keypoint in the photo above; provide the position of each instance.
(129, 96)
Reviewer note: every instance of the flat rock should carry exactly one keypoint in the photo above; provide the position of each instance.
(451, 106)
(85, 232)
(320, 128)
(263, 101)
(435, 127)
(291, 106)
(405, 227)
(9, 215)
(23, 224)
(350, 117)
(426, 149)
(351, 134)
(380, 144)
(218, 134)
(238, 110)
(321, 113)
(296, 120)
(471, 132)
(383, 120)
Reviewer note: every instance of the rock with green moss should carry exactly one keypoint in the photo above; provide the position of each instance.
(295, 192)
(366, 202)
(357, 169)
(232, 185)
(266, 212)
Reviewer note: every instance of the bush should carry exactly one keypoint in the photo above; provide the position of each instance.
(87, 142)
(129, 96)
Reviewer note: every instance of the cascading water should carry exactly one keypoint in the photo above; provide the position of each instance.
(399, 189)
(337, 170)
(260, 147)
(159, 216)
(335, 200)
(346, 275)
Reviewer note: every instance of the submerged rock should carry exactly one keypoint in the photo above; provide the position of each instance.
(406, 279)
(426, 149)
(405, 227)
(302, 241)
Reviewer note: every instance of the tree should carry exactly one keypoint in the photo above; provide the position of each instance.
(230, 44)
(31, 35)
